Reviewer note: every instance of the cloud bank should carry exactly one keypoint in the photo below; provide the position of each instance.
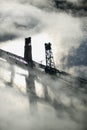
(22, 18)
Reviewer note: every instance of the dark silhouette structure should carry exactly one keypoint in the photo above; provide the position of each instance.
(28, 50)
(50, 65)
(26, 62)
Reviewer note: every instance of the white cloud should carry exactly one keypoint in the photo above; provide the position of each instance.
(27, 18)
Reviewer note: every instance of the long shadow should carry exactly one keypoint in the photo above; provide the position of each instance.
(8, 67)
(54, 98)
(58, 103)
(31, 92)
(30, 88)
(11, 83)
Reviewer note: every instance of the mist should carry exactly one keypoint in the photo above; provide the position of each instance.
(32, 99)
(50, 100)
(66, 32)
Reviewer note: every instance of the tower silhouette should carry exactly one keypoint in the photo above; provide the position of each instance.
(50, 65)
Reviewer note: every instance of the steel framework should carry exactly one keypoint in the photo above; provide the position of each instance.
(50, 65)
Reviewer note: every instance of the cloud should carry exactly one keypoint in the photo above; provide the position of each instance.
(78, 56)
(28, 18)
(59, 102)
(6, 37)
(75, 7)
(76, 61)
(73, 1)
(22, 19)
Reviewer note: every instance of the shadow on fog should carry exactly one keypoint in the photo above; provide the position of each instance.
(5, 67)
(55, 97)
(31, 91)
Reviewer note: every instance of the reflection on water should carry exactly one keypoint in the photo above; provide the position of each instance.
(38, 101)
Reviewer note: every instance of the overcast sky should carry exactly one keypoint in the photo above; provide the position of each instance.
(23, 18)
(19, 108)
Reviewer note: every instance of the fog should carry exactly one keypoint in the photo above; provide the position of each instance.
(31, 99)
(66, 32)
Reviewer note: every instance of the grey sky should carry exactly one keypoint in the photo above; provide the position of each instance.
(22, 18)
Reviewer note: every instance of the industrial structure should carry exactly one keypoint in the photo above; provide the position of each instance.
(50, 65)
(28, 50)
(30, 91)
(27, 62)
